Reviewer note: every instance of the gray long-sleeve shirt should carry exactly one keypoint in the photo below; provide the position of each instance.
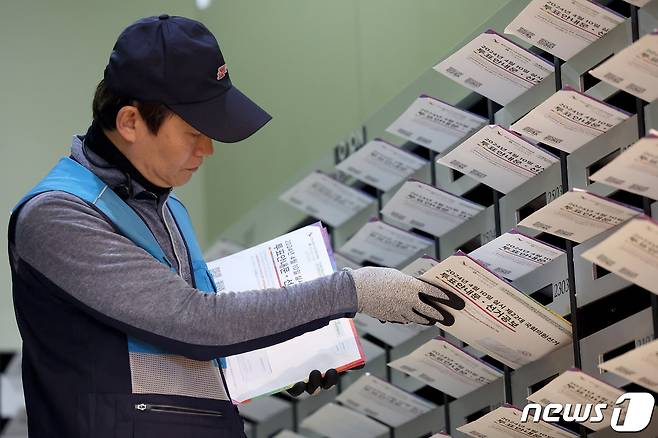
(76, 248)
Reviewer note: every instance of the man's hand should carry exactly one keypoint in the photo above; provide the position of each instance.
(389, 295)
(315, 381)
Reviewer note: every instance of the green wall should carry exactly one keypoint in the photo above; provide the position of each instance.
(320, 68)
(266, 216)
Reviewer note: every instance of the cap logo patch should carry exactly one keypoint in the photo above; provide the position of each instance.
(221, 72)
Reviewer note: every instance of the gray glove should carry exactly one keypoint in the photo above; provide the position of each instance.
(389, 295)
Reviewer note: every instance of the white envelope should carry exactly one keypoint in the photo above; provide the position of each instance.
(334, 421)
(513, 254)
(324, 198)
(505, 422)
(498, 319)
(381, 165)
(427, 208)
(435, 124)
(568, 120)
(634, 170)
(384, 402)
(639, 365)
(563, 27)
(498, 158)
(495, 67)
(579, 215)
(631, 252)
(574, 386)
(446, 367)
(634, 69)
(383, 244)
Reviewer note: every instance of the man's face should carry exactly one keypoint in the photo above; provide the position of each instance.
(169, 158)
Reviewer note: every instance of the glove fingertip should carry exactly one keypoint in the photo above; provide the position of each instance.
(429, 321)
(458, 303)
(297, 389)
(314, 381)
(330, 378)
(314, 376)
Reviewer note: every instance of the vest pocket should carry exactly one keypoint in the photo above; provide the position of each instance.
(180, 410)
(164, 416)
(182, 417)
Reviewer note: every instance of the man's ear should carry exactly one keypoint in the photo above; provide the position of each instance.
(126, 121)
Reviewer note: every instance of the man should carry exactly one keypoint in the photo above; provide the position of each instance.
(121, 326)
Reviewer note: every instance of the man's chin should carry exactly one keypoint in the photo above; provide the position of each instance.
(183, 179)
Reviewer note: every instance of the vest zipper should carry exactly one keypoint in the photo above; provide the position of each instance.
(171, 238)
(144, 407)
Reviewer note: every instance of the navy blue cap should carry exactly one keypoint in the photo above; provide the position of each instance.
(176, 61)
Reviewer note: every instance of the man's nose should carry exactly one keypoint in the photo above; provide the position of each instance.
(204, 146)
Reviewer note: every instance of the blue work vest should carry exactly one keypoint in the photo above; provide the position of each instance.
(71, 177)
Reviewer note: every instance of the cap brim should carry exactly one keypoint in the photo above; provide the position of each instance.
(228, 118)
